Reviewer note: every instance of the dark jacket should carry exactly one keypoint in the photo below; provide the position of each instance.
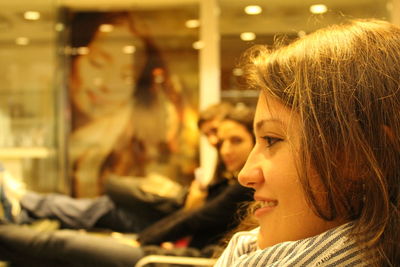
(206, 225)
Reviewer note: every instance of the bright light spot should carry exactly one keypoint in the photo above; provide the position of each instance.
(198, 45)
(253, 10)
(59, 27)
(22, 41)
(31, 15)
(247, 36)
(106, 28)
(117, 235)
(301, 34)
(237, 72)
(129, 49)
(192, 23)
(318, 9)
(83, 50)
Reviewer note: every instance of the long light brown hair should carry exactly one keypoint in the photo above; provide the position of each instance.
(344, 82)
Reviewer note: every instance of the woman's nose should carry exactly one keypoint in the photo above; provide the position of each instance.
(225, 148)
(251, 174)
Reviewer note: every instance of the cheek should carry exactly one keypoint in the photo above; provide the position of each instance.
(292, 194)
(281, 176)
(244, 152)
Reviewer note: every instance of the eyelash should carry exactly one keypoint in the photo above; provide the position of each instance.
(271, 140)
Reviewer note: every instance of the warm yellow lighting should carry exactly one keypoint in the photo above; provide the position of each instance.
(117, 235)
(247, 36)
(83, 50)
(59, 27)
(253, 10)
(31, 15)
(22, 41)
(98, 81)
(301, 33)
(237, 72)
(192, 23)
(318, 9)
(129, 49)
(389, 6)
(106, 28)
(198, 45)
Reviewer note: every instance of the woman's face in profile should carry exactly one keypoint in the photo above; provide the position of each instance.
(272, 171)
(103, 80)
(235, 144)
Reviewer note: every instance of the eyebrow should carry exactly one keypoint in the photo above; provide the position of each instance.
(261, 123)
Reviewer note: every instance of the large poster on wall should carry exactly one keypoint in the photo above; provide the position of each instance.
(132, 98)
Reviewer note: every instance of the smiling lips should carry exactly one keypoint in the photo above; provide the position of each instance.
(269, 203)
(264, 206)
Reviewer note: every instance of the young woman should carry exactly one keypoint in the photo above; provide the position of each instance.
(325, 165)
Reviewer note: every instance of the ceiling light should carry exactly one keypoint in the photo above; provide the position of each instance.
(106, 28)
(22, 41)
(59, 27)
(83, 50)
(31, 15)
(129, 49)
(253, 10)
(247, 36)
(192, 23)
(198, 45)
(318, 9)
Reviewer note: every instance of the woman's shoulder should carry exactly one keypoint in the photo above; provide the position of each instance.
(332, 247)
(242, 244)
(246, 239)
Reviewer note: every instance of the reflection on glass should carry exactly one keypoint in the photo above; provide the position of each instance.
(130, 115)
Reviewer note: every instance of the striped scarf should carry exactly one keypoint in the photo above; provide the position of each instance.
(331, 248)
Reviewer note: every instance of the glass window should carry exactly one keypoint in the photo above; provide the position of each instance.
(132, 93)
(29, 140)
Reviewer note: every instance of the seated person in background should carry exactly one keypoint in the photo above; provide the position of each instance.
(204, 225)
(207, 224)
(120, 191)
(123, 208)
(325, 167)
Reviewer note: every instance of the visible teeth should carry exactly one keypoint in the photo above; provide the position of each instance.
(270, 203)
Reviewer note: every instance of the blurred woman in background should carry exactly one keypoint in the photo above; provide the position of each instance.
(127, 112)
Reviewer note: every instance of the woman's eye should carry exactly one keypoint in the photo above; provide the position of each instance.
(236, 140)
(271, 140)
